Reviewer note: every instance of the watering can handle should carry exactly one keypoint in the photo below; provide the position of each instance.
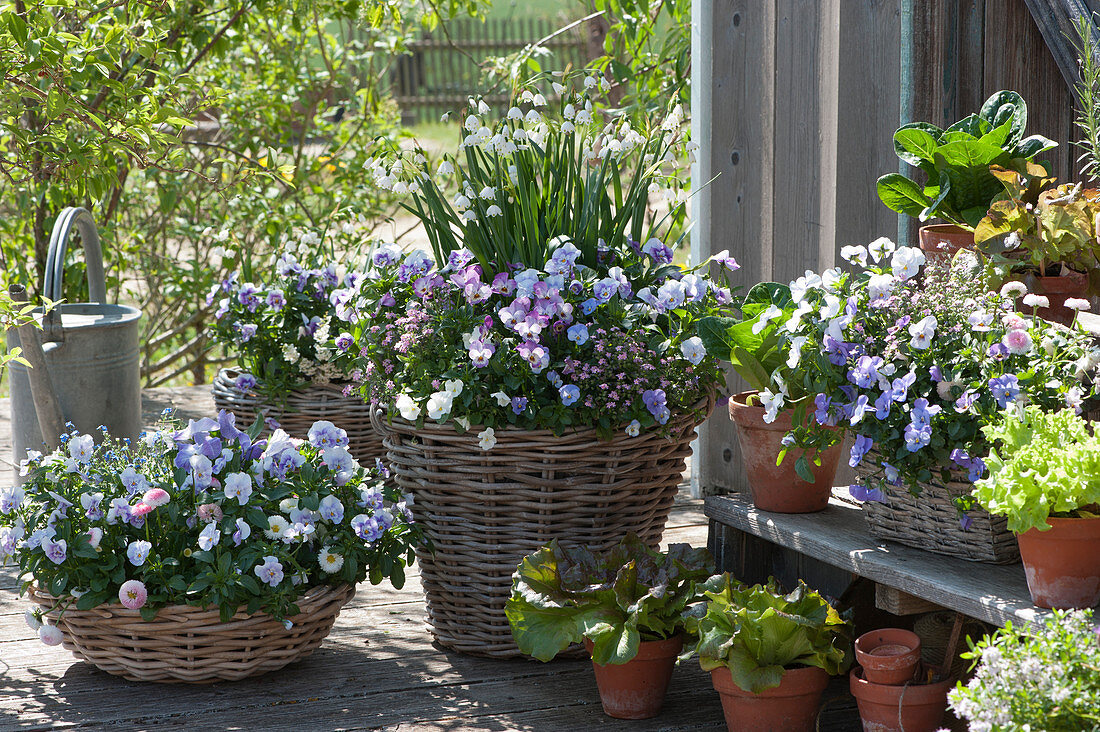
(59, 246)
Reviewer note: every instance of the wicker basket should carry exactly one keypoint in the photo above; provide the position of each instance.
(302, 408)
(191, 645)
(484, 510)
(930, 521)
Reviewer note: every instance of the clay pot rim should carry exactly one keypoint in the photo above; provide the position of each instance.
(752, 415)
(805, 680)
(1066, 527)
(915, 694)
(648, 650)
(902, 638)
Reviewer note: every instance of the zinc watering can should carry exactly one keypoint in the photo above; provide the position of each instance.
(88, 371)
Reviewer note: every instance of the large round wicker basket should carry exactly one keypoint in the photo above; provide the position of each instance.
(301, 408)
(482, 511)
(191, 645)
(930, 521)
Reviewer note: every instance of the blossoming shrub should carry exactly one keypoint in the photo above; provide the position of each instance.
(915, 366)
(560, 347)
(283, 320)
(206, 515)
(1034, 680)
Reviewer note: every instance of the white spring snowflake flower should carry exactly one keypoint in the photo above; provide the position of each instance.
(469, 216)
(539, 100)
(515, 113)
(482, 107)
(446, 168)
(533, 117)
(558, 88)
(472, 123)
(487, 193)
(494, 210)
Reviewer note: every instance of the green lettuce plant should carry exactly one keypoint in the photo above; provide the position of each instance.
(757, 632)
(956, 162)
(561, 595)
(1041, 464)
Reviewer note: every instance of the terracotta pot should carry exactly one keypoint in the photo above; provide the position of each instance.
(888, 656)
(636, 689)
(790, 707)
(907, 708)
(943, 241)
(1057, 290)
(778, 488)
(1062, 564)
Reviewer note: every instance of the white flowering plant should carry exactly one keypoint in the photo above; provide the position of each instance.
(914, 366)
(561, 347)
(285, 319)
(203, 515)
(1028, 679)
(543, 169)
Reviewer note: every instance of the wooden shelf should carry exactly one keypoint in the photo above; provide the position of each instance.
(838, 536)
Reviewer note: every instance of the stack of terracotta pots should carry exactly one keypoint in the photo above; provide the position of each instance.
(890, 686)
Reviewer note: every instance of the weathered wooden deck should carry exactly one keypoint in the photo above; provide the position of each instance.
(379, 669)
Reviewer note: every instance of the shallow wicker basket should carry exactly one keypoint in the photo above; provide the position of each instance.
(301, 409)
(931, 522)
(484, 510)
(191, 645)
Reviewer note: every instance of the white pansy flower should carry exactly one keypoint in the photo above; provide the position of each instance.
(881, 248)
(922, 332)
(453, 387)
(408, 408)
(772, 402)
(854, 255)
(487, 439)
(906, 262)
(765, 317)
(795, 355)
(693, 350)
(503, 400)
(439, 404)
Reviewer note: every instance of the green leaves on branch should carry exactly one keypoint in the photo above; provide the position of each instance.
(956, 162)
(757, 633)
(561, 595)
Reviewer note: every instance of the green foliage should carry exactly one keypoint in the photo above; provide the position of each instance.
(12, 315)
(1040, 464)
(1046, 679)
(631, 593)
(1087, 93)
(757, 632)
(174, 122)
(956, 161)
(752, 344)
(534, 177)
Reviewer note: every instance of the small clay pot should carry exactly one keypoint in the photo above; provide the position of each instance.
(888, 656)
(906, 708)
(636, 689)
(790, 707)
(778, 488)
(942, 241)
(1058, 289)
(1062, 564)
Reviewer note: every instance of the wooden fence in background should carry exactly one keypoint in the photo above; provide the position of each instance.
(443, 69)
(795, 103)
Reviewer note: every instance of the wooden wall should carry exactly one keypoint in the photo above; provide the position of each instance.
(794, 105)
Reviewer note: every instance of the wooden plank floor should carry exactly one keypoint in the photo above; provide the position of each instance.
(379, 669)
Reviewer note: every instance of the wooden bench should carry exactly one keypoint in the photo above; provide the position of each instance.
(832, 548)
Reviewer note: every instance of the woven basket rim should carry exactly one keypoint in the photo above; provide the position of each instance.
(396, 423)
(312, 595)
(223, 379)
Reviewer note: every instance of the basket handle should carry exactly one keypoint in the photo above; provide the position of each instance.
(377, 423)
(82, 219)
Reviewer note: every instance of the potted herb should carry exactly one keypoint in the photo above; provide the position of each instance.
(770, 654)
(625, 604)
(1044, 476)
(1045, 235)
(157, 560)
(1045, 679)
(287, 321)
(547, 350)
(912, 367)
(955, 162)
(779, 404)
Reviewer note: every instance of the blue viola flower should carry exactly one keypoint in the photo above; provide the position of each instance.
(1005, 389)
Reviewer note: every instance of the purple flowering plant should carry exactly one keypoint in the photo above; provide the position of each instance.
(562, 346)
(287, 320)
(913, 366)
(205, 515)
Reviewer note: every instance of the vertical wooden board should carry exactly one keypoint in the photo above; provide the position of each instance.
(797, 228)
(733, 87)
(969, 46)
(868, 113)
(927, 68)
(1016, 57)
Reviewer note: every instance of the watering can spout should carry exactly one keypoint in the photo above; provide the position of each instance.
(51, 423)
